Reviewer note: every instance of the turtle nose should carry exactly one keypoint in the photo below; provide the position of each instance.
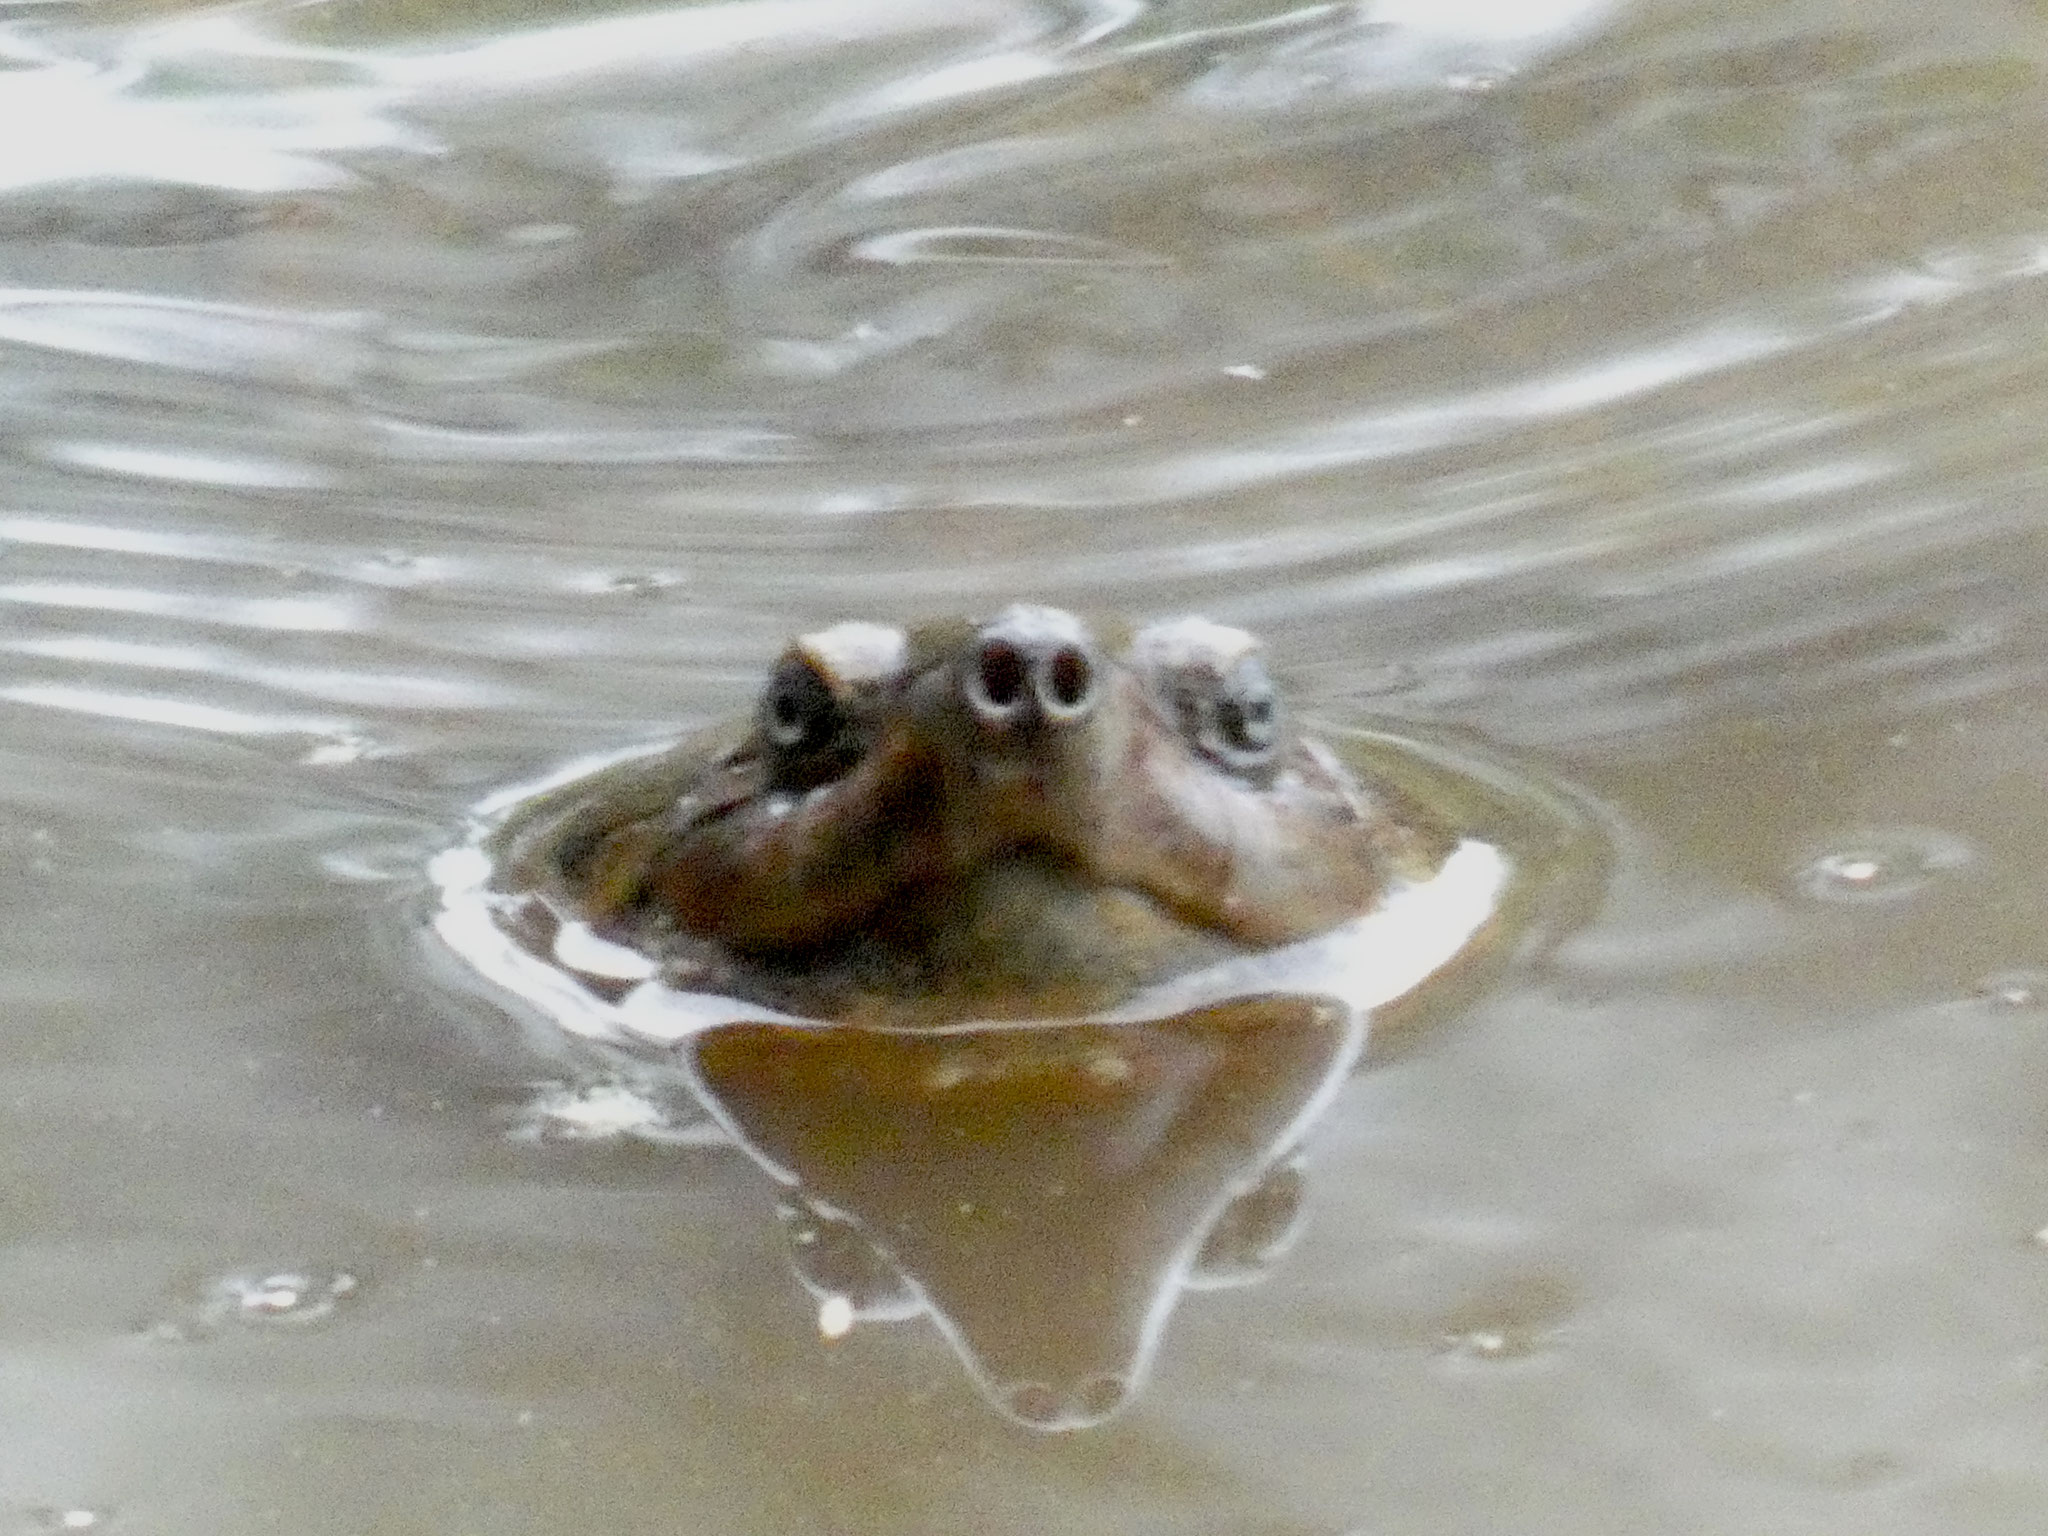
(1034, 664)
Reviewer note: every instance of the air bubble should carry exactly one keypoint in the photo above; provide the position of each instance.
(842, 1268)
(1110, 1068)
(604, 1109)
(1486, 1345)
(253, 1298)
(51, 1519)
(2013, 989)
(339, 748)
(1476, 82)
(835, 1318)
(947, 1074)
(1882, 866)
(635, 583)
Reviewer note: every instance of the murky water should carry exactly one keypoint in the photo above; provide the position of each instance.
(398, 402)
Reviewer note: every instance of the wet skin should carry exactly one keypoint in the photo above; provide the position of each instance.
(1001, 795)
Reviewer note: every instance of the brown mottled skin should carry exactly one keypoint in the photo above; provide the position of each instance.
(896, 785)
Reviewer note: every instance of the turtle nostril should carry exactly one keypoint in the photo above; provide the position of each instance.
(1002, 674)
(1066, 681)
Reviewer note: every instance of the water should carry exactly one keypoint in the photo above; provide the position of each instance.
(398, 402)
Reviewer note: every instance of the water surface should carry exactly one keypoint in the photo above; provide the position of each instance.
(397, 401)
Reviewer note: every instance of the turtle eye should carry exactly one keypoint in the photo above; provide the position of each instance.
(798, 710)
(1242, 723)
(819, 712)
(1209, 680)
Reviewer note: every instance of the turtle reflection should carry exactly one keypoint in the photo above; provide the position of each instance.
(1044, 1192)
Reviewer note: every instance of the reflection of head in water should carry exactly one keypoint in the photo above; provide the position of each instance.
(1044, 1191)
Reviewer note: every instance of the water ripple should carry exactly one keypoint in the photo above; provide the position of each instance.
(994, 245)
(189, 468)
(160, 709)
(324, 614)
(396, 691)
(670, 445)
(243, 341)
